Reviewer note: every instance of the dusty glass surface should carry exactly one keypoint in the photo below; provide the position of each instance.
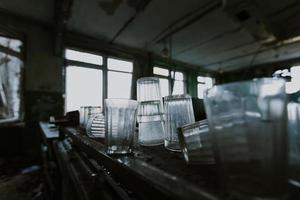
(249, 121)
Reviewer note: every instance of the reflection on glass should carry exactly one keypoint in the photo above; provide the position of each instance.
(178, 87)
(119, 85)
(119, 65)
(83, 87)
(84, 57)
(164, 87)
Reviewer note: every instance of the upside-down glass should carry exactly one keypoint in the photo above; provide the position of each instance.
(178, 111)
(148, 89)
(150, 112)
(95, 127)
(86, 112)
(196, 143)
(294, 138)
(120, 124)
(249, 124)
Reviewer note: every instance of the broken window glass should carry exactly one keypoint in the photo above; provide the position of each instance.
(10, 88)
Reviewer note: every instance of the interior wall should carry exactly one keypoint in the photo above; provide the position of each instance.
(42, 88)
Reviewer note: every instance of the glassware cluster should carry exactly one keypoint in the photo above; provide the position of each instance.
(251, 133)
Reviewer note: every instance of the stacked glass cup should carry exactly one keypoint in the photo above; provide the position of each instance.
(150, 112)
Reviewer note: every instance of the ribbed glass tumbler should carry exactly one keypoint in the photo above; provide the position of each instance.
(120, 122)
(86, 112)
(196, 143)
(178, 112)
(249, 123)
(95, 127)
(150, 112)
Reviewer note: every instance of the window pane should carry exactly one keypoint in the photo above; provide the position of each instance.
(179, 76)
(164, 87)
(201, 79)
(119, 65)
(295, 72)
(208, 82)
(11, 43)
(201, 89)
(83, 87)
(178, 87)
(84, 57)
(119, 85)
(294, 85)
(160, 71)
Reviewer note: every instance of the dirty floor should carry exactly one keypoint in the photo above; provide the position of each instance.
(20, 180)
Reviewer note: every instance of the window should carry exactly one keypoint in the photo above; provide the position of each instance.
(203, 83)
(163, 75)
(166, 77)
(119, 78)
(84, 85)
(11, 75)
(292, 77)
(85, 81)
(178, 83)
(83, 57)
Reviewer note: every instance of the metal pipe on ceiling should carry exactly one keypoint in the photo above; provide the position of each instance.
(208, 9)
(140, 7)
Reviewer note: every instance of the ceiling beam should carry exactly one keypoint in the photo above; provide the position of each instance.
(140, 7)
(208, 8)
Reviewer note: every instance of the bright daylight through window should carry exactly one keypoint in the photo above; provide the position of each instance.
(84, 85)
(11, 75)
(119, 78)
(165, 78)
(204, 83)
(293, 78)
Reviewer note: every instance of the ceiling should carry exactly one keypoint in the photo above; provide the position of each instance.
(212, 34)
